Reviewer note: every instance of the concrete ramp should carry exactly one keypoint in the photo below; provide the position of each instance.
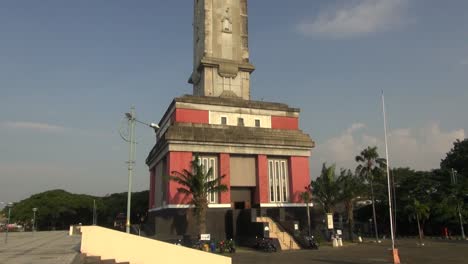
(123, 247)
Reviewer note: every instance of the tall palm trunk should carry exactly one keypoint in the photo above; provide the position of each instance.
(350, 209)
(419, 229)
(308, 219)
(201, 220)
(373, 212)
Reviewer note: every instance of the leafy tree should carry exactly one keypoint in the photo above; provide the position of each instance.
(417, 196)
(456, 193)
(57, 209)
(198, 186)
(457, 158)
(370, 166)
(350, 189)
(325, 189)
(116, 203)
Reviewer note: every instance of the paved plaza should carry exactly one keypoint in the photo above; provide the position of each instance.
(58, 247)
(41, 247)
(410, 253)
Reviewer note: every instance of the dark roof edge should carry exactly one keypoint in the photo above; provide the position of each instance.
(235, 102)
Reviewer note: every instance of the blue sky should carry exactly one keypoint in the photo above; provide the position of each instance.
(69, 70)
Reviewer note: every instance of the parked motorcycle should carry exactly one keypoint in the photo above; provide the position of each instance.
(227, 245)
(265, 244)
(312, 242)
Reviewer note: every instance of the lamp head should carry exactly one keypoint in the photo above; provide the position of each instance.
(128, 115)
(154, 126)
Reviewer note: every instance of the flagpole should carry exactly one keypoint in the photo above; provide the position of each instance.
(396, 258)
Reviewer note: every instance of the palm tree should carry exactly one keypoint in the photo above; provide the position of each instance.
(306, 197)
(420, 212)
(370, 165)
(325, 188)
(198, 184)
(351, 188)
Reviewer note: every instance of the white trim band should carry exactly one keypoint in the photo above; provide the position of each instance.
(187, 206)
(285, 205)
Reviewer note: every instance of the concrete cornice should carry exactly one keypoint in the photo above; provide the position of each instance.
(219, 62)
(238, 135)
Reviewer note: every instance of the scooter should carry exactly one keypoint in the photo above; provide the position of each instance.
(312, 242)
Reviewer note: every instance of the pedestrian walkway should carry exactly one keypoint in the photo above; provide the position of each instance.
(39, 248)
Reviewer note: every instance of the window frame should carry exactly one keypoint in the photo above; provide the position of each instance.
(210, 162)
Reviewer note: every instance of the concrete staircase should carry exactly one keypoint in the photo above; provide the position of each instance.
(286, 241)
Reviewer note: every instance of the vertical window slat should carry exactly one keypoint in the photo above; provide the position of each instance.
(210, 163)
(278, 180)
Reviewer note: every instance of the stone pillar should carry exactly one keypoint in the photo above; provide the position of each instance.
(224, 169)
(299, 177)
(261, 192)
(178, 161)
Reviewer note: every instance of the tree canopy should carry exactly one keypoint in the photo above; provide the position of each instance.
(57, 209)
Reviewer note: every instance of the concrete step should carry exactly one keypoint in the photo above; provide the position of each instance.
(92, 260)
(98, 260)
(108, 261)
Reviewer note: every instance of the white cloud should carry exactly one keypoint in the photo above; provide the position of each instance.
(355, 127)
(33, 126)
(362, 17)
(420, 148)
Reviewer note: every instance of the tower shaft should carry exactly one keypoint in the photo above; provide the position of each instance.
(221, 65)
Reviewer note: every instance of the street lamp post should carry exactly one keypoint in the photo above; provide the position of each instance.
(9, 205)
(396, 257)
(34, 219)
(131, 118)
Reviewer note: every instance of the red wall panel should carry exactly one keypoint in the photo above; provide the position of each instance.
(299, 177)
(178, 161)
(191, 116)
(284, 122)
(224, 169)
(261, 192)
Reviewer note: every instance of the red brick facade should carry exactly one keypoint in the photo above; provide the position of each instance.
(182, 115)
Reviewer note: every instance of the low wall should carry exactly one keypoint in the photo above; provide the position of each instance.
(110, 244)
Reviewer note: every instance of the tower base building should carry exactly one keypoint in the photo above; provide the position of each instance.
(257, 146)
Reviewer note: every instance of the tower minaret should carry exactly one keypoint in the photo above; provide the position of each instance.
(221, 65)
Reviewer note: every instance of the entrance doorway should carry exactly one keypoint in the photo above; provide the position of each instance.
(242, 197)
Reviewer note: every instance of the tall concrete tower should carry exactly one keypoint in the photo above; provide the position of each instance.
(255, 148)
(221, 66)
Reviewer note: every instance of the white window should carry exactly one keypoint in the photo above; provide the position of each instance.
(278, 180)
(223, 120)
(207, 163)
(240, 121)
